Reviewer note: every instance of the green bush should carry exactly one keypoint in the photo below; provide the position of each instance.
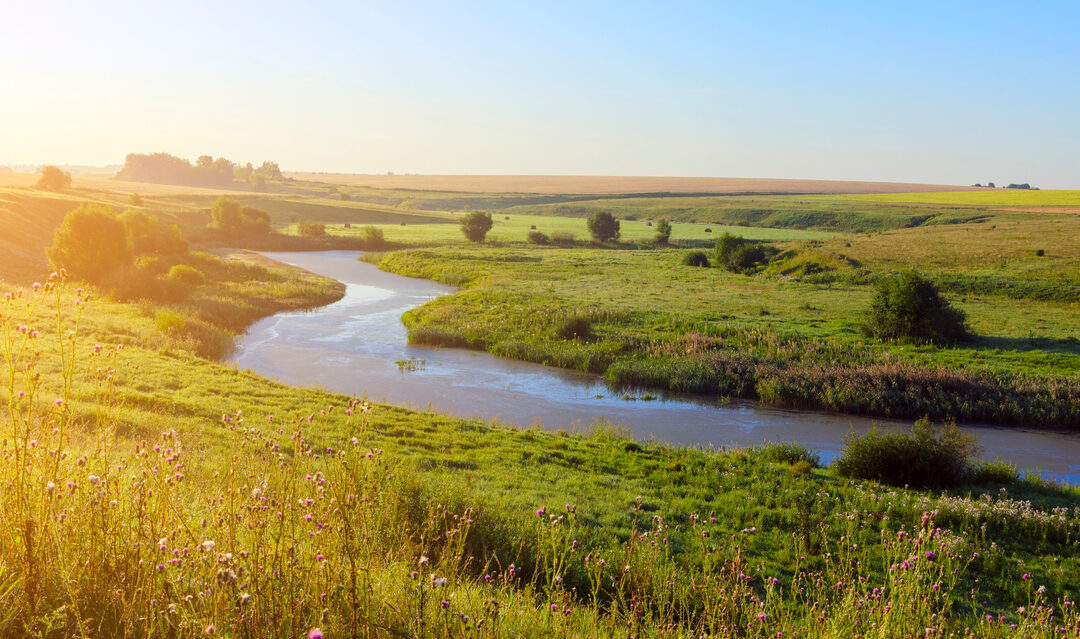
(909, 308)
(476, 225)
(928, 457)
(229, 216)
(373, 237)
(169, 322)
(563, 237)
(995, 472)
(603, 227)
(574, 327)
(696, 258)
(538, 238)
(311, 229)
(663, 232)
(739, 255)
(91, 244)
(789, 453)
(186, 274)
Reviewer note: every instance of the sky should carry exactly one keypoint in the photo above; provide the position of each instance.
(936, 92)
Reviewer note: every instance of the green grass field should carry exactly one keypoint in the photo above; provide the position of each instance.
(996, 197)
(152, 492)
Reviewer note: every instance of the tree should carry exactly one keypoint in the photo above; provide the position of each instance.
(53, 179)
(311, 229)
(603, 226)
(909, 308)
(663, 232)
(476, 225)
(91, 244)
(229, 216)
(148, 236)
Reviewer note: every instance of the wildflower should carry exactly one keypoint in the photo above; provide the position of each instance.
(93, 479)
(445, 603)
(208, 545)
(210, 629)
(315, 633)
(59, 402)
(441, 581)
(49, 487)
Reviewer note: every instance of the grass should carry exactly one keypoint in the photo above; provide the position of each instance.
(996, 197)
(660, 323)
(164, 495)
(516, 229)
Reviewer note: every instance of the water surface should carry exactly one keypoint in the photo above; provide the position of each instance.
(358, 346)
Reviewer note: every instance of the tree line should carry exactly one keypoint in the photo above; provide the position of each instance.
(163, 168)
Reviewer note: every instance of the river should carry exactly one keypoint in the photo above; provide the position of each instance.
(358, 346)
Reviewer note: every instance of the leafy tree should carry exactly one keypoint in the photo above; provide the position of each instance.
(148, 236)
(663, 232)
(604, 227)
(91, 244)
(909, 308)
(373, 237)
(476, 225)
(229, 216)
(311, 229)
(53, 179)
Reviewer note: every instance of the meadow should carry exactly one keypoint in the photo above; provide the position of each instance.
(153, 492)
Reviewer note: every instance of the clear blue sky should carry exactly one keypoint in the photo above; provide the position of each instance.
(953, 93)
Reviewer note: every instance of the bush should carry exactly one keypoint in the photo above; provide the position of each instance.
(928, 457)
(186, 274)
(373, 237)
(663, 232)
(136, 199)
(562, 237)
(575, 327)
(909, 308)
(229, 216)
(603, 227)
(789, 453)
(995, 472)
(739, 255)
(538, 238)
(1040, 252)
(696, 258)
(147, 236)
(53, 179)
(91, 244)
(476, 225)
(311, 229)
(169, 322)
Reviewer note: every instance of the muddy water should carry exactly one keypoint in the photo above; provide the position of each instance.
(358, 346)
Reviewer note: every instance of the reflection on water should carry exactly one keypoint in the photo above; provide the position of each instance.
(358, 346)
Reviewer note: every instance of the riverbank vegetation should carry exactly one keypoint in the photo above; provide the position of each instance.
(204, 500)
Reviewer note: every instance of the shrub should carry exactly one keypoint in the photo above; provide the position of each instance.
(53, 179)
(311, 229)
(663, 232)
(1040, 252)
(147, 236)
(603, 227)
(373, 237)
(536, 237)
(562, 237)
(910, 308)
(91, 244)
(574, 327)
(169, 322)
(789, 453)
(229, 216)
(136, 199)
(928, 457)
(739, 255)
(995, 472)
(476, 225)
(186, 274)
(696, 258)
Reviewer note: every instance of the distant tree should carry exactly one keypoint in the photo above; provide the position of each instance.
(229, 216)
(603, 227)
(476, 225)
(909, 308)
(91, 244)
(268, 171)
(539, 238)
(373, 237)
(204, 162)
(136, 199)
(311, 229)
(53, 179)
(244, 172)
(663, 232)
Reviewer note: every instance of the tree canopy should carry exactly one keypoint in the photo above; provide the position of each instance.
(603, 227)
(53, 179)
(230, 217)
(476, 225)
(91, 244)
(909, 308)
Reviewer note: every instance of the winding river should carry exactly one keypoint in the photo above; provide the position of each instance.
(358, 346)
